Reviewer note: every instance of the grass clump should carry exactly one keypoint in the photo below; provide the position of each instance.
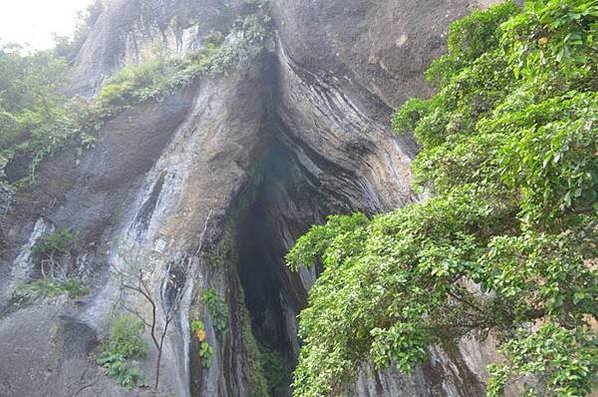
(48, 288)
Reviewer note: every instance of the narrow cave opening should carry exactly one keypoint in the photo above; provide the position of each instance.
(285, 205)
(262, 285)
(260, 265)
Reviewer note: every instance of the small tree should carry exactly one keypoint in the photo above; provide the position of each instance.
(172, 287)
(53, 248)
(138, 281)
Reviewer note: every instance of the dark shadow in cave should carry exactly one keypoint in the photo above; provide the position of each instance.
(261, 267)
(261, 283)
(285, 205)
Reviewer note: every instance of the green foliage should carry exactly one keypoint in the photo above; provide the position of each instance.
(121, 370)
(218, 310)
(56, 243)
(275, 370)
(206, 353)
(68, 47)
(125, 337)
(561, 359)
(508, 243)
(475, 34)
(197, 326)
(47, 288)
(160, 77)
(558, 36)
(258, 382)
(123, 345)
(36, 120)
(307, 250)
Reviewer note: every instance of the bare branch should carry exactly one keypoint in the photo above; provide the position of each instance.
(138, 283)
(138, 315)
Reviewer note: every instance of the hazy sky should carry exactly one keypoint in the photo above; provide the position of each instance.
(34, 21)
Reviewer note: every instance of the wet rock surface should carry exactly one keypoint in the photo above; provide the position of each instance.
(219, 179)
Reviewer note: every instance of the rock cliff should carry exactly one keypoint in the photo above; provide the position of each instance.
(215, 181)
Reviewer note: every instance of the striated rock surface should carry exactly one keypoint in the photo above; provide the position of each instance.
(216, 181)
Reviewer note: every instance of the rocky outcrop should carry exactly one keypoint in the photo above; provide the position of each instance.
(216, 181)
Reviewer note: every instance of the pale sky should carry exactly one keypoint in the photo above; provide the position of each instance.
(33, 21)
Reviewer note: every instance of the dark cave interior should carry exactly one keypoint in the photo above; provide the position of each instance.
(284, 205)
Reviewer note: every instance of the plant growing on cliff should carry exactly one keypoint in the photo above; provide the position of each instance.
(53, 249)
(57, 280)
(34, 117)
(162, 76)
(257, 379)
(205, 354)
(136, 278)
(48, 288)
(508, 243)
(36, 120)
(205, 350)
(218, 310)
(124, 345)
(275, 370)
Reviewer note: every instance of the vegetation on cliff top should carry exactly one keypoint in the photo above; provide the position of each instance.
(36, 119)
(507, 245)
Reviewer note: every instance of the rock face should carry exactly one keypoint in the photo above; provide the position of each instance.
(216, 181)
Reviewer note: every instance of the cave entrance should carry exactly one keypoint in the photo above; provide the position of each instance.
(259, 272)
(285, 205)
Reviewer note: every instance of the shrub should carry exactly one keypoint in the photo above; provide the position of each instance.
(125, 337)
(124, 344)
(275, 370)
(57, 242)
(121, 370)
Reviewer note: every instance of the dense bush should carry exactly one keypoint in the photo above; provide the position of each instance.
(56, 243)
(507, 245)
(34, 118)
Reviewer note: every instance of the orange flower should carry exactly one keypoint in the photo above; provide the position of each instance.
(201, 335)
